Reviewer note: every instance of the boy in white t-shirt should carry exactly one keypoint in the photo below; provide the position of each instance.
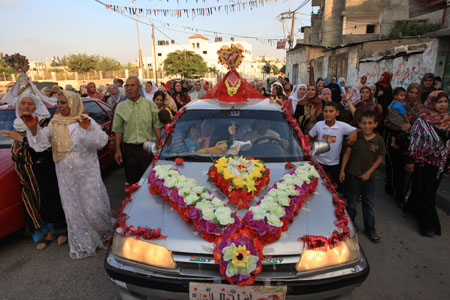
(332, 132)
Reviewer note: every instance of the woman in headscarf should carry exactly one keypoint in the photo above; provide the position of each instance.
(75, 139)
(335, 90)
(115, 96)
(300, 96)
(383, 93)
(313, 108)
(287, 88)
(46, 91)
(181, 98)
(367, 103)
(413, 103)
(36, 171)
(93, 93)
(426, 86)
(326, 95)
(148, 90)
(185, 86)
(168, 101)
(362, 81)
(197, 91)
(429, 150)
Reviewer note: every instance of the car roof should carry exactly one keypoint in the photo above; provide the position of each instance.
(250, 104)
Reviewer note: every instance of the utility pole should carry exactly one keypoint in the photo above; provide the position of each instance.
(141, 63)
(290, 15)
(155, 67)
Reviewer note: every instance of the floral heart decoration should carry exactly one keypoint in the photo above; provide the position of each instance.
(238, 241)
(231, 57)
(240, 179)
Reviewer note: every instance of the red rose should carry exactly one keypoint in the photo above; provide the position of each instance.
(179, 161)
(289, 166)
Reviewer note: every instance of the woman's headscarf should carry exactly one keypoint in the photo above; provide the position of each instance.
(343, 88)
(113, 99)
(194, 94)
(424, 89)
(278, 83)
(413, 107)
(95, 94)
(431, 115)
(41, 112)
(315, 100)
(44, 89)
(59, 130)
(326, 91)
(360, 84)
(385, 80)
(152, 92)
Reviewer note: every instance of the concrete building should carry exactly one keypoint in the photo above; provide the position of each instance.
(201, 45)
(350, 37)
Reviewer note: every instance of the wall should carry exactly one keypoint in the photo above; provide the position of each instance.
(405, 69)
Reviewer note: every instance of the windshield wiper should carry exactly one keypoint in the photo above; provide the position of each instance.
(191, 157)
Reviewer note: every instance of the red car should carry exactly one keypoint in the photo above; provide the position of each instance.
(12, 211)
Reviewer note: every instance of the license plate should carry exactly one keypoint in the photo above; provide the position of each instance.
(210, 291)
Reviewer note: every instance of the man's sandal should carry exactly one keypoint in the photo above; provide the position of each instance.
(62, 239)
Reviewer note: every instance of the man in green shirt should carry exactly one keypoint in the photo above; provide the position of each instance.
(135, 122)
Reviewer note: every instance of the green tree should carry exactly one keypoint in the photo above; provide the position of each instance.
(283, 69)
(4, 67)
(275, 69)
(82, 62)
(267, 68)
(107, 64)
(185, 63)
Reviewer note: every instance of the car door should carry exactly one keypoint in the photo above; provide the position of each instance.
(102, 114)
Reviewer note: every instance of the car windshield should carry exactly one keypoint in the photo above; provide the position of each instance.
(203, 135)
(6, 122)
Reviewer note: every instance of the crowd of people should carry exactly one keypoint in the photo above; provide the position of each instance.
(408, 129)
(65, 197)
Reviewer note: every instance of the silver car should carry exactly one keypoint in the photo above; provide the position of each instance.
(175, 267)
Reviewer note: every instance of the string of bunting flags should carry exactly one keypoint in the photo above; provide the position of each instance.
(141, 17)
(193, 12)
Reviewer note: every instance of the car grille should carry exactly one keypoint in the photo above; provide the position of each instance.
(204, 266)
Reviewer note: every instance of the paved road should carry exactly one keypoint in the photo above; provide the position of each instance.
(403, 266)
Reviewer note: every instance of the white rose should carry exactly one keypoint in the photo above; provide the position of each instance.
(223, 214)
(204, 204)
(268, 205)
(258, 212)
(217, 202)
(170, 182)
(284, 201)
(274, 220)
(279, 212)
(189, 200)
(208, 213)
(206, 195)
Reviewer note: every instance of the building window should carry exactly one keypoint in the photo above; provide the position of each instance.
(198, 45)
(159, 54)
(205, 52)
(193, 45)
(370, 29)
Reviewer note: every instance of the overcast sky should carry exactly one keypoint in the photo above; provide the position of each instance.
(45, 28)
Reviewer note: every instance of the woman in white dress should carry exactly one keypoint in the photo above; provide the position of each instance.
(75, 138)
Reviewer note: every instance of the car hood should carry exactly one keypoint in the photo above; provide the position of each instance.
(5, 161)
(315, 218)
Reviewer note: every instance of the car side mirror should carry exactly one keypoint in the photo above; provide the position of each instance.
(319, 148)
(154, 148)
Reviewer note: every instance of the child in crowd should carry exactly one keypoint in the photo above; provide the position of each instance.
(192, 141)
(165, 118)
(362, 159)
(332, 132)
(397, 114)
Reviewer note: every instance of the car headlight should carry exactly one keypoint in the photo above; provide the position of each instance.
(144, 252)
(315, 259)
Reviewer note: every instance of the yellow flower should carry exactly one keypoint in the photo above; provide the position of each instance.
(250, 185)
(226, 174)
(240, 256)
(256, 172)
(238, 182)
(221, 162)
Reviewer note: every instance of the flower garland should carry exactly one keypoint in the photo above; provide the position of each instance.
(239, 242)
(18, 62)
(232, 90)
(239, 179)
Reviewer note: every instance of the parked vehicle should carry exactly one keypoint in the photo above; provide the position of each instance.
(12, 213)
(182, 262)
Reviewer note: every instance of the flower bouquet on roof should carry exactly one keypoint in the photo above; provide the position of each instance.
(240, 179)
